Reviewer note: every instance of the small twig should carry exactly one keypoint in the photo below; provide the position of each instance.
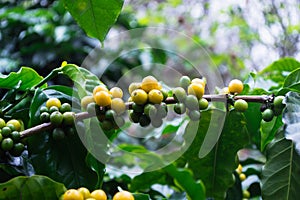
(169, 100)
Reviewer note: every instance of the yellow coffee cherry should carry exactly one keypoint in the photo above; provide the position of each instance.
(199, 81)
(72, 194)
(86, 101)
(84, 192)
(99, 195)
(155, 96)
(235, 86)
(118, 105)
(53, 102)
(196, 89)
(123, 195)
(99, 88)
(116, 92)
(242, 177)
(239, 169)
(102, 98)
(149, 83)
(15, 123)
(246, 194)
(133, 86)
(139, 96)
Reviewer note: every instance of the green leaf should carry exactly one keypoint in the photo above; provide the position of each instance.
(291, 118)
(292, 81)
(145, 180)
(268, 131)
(34, 187)
(26, 77)
(94, 16)
(216, 168)
(277, 71)
(185, 179)
(84, 80)
(139, 196)
(280, 175)
(98, 167)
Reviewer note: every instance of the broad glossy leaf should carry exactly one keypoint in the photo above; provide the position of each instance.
(34, 187)
(139, 196)
(84, 80)
(280, 175)
(268, 131)
(278, 70)
(184, 178)
(94, 16)
(26, 77)
(291, 118)
(292, 81)
(216, 168)
(98, 167)
(145, 180)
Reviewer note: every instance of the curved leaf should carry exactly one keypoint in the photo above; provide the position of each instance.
(84, 80)
(277, 71)
(291, 118)
(268, 131)
(94, 16)
(34, 187)
(280, 175)
(26, 77)
(292, 81)
(216, 168)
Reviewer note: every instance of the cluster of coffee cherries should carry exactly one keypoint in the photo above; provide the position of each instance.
(242, 176)
(271, 109)
(148, 102)
(188, 97)
(107, 105)
(10, 137)
(60, 116)
(84, 194)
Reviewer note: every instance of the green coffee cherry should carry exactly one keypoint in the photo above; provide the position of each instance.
(65, 107)
(203, 104)
(135, 116)
(56, 118)
(184, 82)
(179, 94)
(17, 149)
(240, 105)
(278, 102)
(45, 117)
(7, 144)
(58, 134)
(144, 120)
(6, 131)
(53, 109)
(194, 115)
(179, 108)
(191, 102)
(268, 115)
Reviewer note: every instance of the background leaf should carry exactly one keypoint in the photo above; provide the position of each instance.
(34, 187)
(291, 118)
(280, 175)
(94, 16)
(292, 81)
(268, 130)
(27, 76)
(215, 169)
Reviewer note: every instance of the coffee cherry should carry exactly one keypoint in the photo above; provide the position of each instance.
(139, 96)
(85, 101)
(116, 92)
(179, 108)
(199, 81)
(6, 131)
(135, 116)
(179, 94)
(65, 107)
(102, 98)
(2, 123)
(150, 110)
(196, 90)
(235, 86)
(53, 102)
(191, 102)
(118, 105)
(184, 82)
(68, 118)
(203, 104)
(278, 102)
(240, 105)
(99, 88)
(268, 115)
(194, 115)
(17, 149)
(134, 86)
(149, 83)
(144, 120)
(155, 96)
(45, 117)
(56, 118)
(53, 109)
(15, 136)
(7, 144)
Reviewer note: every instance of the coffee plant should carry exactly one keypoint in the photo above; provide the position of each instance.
(89, 141)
